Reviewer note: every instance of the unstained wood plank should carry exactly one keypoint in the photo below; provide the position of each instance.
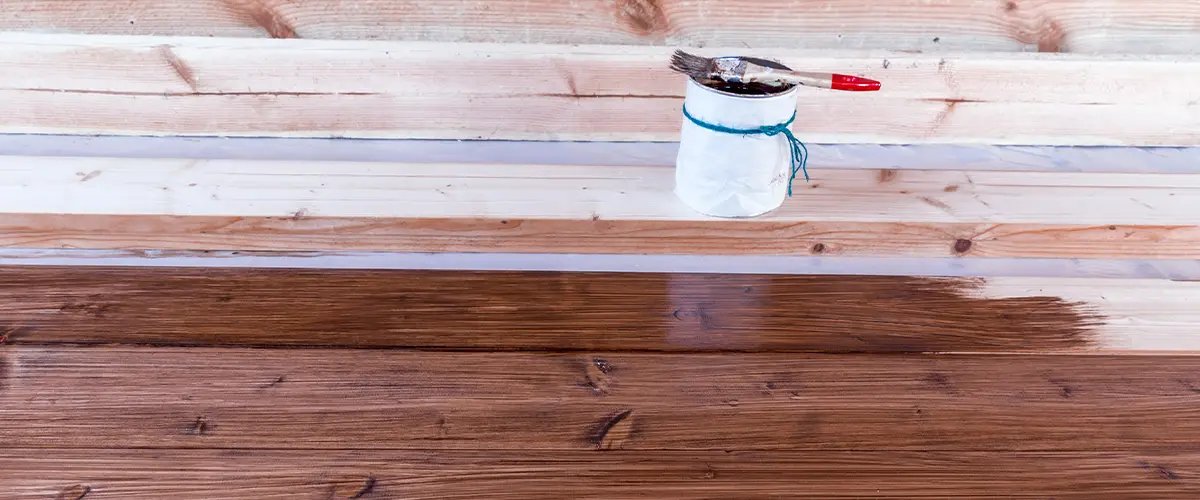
(189, 204)
(593, 311)
(54, 397)
(1097, 26)
(80, 84)
(32, 473)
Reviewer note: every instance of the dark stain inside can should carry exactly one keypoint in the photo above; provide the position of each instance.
(752, 88)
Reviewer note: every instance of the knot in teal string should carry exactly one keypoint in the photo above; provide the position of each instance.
(798, 151)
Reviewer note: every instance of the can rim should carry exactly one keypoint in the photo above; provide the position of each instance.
(745, 96)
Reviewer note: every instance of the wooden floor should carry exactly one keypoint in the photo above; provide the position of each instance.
(141, 383)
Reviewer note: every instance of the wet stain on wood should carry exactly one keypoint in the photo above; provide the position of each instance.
(534, 310)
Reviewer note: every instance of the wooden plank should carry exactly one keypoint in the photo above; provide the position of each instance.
(1120, 26)
(339, 475)
(594, 311)
(249, 205)
(367, 399)
(303, 88)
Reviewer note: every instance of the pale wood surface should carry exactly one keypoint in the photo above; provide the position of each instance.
(32, 473)
(161, 397)
(124, 186)
(252, 205)
(82, 84)
(1108, 26)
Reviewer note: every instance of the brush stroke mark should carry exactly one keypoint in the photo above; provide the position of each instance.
(182, 70)
(612, 432)
(263, 15)
(645, 17)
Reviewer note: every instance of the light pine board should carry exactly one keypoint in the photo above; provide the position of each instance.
(259, 205)
(1094, 26)
(82, 84)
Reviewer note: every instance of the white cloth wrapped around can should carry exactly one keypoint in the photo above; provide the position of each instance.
(733, 175)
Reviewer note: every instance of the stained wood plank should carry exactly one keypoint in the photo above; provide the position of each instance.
(303, 88)
(1121, 26)
(339, 475)
(189, 204)
(363, 399)
(593, 311)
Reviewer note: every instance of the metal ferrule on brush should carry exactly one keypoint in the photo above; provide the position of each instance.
(731, 70)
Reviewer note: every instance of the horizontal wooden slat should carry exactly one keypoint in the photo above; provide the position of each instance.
(303, 88)
(338, 399)
(1051, 25)
(250, 205)
(594, 311)
(339, 475)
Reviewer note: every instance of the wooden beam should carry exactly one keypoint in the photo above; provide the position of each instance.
(593, 311)
(1120, 26)
(106, 397)
(39, 473)
(303, 88)
(250, 205)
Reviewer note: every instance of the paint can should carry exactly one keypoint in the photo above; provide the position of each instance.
(733, 175)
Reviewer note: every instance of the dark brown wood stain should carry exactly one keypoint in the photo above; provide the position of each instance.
(321, 475)
(529, 310)
(337, 399)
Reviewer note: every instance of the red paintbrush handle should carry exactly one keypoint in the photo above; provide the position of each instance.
(854, 83)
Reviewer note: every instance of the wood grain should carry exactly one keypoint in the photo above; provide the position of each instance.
(339, 475)
(188, 204)
(800, 238)
(589, 311)
(1121, 26)
(365, 399)
(307, 88)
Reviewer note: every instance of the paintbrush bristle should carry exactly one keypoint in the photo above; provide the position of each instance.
(692, 65)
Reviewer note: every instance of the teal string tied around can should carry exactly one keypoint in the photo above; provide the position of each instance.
(798, 151)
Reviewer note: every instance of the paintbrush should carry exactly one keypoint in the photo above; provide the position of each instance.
(751, 69)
